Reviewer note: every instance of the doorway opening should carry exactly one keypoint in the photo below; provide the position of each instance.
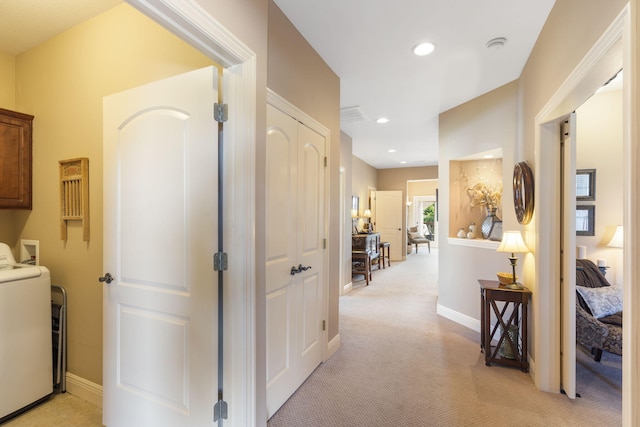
(609, 54)
(422, 207)
(598, 212)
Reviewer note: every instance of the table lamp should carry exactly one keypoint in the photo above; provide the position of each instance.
(617, 241)
(367, 215)
(512, 242)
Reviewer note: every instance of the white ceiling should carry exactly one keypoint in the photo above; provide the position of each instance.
(368, 45)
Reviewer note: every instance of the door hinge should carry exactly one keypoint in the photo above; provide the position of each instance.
(220, 112)
(324, 243)
(220, 410)
(220, 262)
(325, 161)
(324, 325)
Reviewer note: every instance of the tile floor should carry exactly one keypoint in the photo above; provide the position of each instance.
(61, 410)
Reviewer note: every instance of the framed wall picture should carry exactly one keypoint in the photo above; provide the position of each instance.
(355, 206)
(585, 220)
(586, 184)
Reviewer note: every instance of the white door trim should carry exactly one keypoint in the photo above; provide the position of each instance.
(616, 46)
(189, 21)
(288, 108)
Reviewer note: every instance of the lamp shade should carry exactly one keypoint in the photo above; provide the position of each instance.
(618, 238)
(512, 242)
(354, 213)
(367, 213)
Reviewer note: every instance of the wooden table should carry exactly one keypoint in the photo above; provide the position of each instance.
(492, 292)
(369, 242)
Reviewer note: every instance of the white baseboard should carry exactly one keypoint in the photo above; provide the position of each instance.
(460, 318)
(84, 389)
(474, 324)
(347, 288)
(532, 369)
(333, 346)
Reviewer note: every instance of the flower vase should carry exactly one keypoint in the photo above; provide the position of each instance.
(492, 225)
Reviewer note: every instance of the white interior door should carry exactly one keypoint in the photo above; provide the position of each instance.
(295, 234)
(389, 221)
(160, 226)
(568, 253)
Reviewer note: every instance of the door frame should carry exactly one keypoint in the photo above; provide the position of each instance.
(189, 21)
(616, 46)
(414, 206)
(291, 110)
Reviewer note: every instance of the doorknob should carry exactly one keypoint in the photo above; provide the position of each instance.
(299, 269)
(108, 278)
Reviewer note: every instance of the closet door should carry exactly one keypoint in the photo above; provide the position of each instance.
(295, 234)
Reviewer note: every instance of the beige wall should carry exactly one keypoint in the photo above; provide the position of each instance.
(62, 82)
(346, 160)
(298, 74)
(599, 131)
(486, 123)
(421, 188)
(363, 178)
(571, 30)
(8, 79)
(396, 179)
(7, 101)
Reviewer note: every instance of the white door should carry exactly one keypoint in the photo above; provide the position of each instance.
(568, 254)
(160, 203)
(389, 221)
(295, 233)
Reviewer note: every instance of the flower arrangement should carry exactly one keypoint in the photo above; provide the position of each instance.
(483, 195)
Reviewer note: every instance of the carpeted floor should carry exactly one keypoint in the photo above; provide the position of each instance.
(400, 364)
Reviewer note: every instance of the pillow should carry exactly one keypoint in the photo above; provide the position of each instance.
(413, 229)
(603, 301)
(416, 235)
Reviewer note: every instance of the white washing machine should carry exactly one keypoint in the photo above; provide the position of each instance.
(26, 375)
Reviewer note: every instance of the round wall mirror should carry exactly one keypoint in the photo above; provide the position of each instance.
(523, 192)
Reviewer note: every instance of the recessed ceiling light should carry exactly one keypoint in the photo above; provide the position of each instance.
(404, 162)
(496, 43)
(382, 120)
(392, 151)
(488, 156)
(424, 49)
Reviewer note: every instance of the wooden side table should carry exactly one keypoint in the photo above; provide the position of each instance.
(512, 348)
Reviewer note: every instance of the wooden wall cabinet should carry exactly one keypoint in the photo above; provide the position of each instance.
(15, 160)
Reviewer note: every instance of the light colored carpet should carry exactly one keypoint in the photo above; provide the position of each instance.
(400, 364)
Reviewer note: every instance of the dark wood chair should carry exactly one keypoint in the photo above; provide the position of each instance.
(361, 264)
(383, 256)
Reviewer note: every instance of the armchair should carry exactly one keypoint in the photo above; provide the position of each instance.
(598, 311)
(417, 237)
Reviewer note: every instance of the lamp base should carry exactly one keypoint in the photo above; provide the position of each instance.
(514, 286)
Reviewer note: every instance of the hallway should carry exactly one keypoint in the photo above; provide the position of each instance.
(401, 364)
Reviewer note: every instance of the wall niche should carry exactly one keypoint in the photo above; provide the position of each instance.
(475, 183)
